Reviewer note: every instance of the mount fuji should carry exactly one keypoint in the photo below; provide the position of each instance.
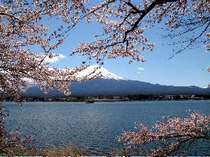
(110, 84)
(104, 73)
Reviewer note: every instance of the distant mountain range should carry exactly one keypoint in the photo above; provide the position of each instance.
(110, 87)
(110, 84)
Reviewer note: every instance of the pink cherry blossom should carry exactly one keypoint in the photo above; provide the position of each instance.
(175, 131)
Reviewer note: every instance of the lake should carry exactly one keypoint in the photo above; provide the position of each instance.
(95, 125)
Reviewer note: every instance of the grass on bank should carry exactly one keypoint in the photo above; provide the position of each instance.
(19, 150)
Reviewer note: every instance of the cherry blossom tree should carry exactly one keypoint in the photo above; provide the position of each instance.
(169, 136)
(26, 42)
(9, 140)
(124, 22)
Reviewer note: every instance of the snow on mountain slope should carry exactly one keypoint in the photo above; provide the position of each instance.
(28, 83)
(89, 72)
(97, 70)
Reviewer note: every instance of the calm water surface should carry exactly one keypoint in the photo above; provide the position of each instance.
(94, 125)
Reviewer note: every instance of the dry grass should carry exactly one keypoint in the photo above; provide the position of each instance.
(72, 151)
(66, 151)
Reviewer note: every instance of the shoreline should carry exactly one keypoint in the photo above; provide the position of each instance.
(103, 100)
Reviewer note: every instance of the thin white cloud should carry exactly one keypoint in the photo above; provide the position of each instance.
(140, 68)
(55, 58)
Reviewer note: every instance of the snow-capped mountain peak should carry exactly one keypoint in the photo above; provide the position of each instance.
(101, 71)
(89, 72)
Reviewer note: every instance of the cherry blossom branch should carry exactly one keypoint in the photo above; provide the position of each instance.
(143, 13)
(174, 132)
(9, 15)
(192, 40)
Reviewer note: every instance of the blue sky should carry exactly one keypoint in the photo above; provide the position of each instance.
(185, 69)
